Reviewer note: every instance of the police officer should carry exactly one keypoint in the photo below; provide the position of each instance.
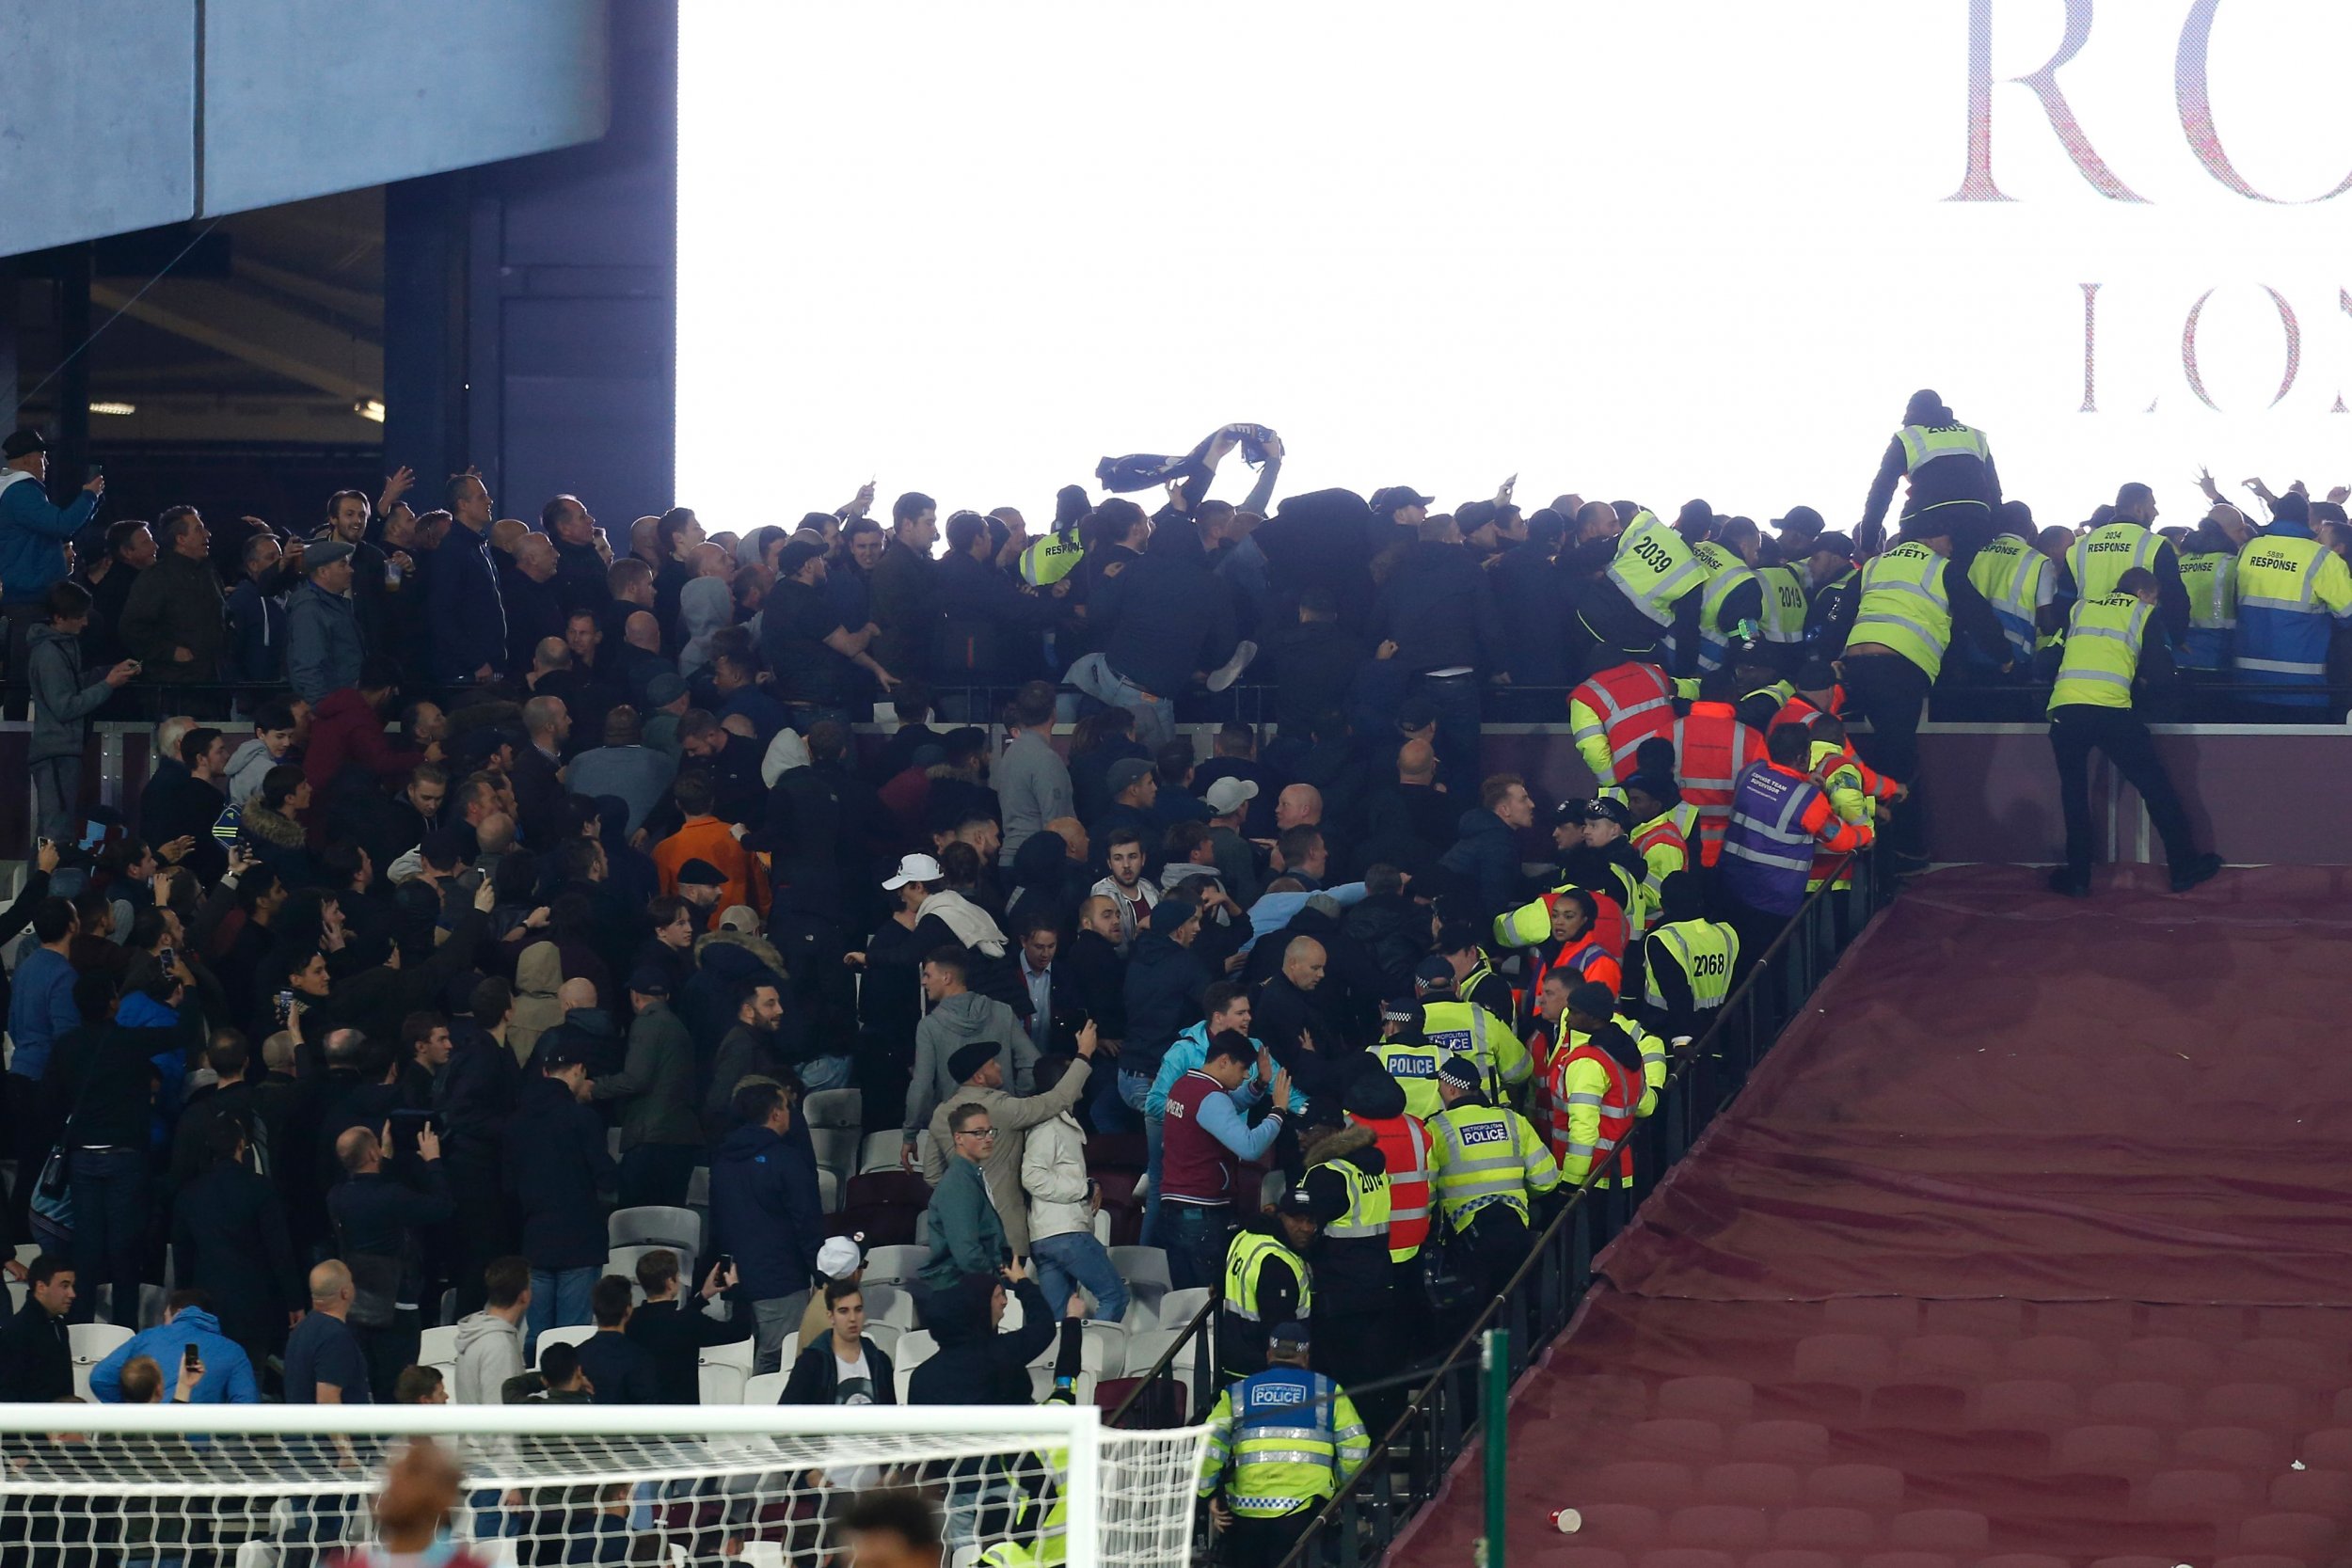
(2110, 654)
(1280, 1442)
(1268, 1280)
(1687, 961)
(2129, 539)
(1474, 977)
(1488, 1168)
(1913, 601)
(1834, 591)
(1952, 478)
(1409, 1057)
(1469, 1028)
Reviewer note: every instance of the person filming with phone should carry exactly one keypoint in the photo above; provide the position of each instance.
(33, 534)
(200, 1364)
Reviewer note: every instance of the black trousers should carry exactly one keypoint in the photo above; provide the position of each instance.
(2122, 735)
(1264, 1543)
(1892, 692)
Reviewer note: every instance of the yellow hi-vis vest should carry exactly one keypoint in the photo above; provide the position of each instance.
(1291, 1438)
(1923, 444)
(2102, 638)
(1653, 569)
(1414, 1065)
(1486, 1154)
(1367, 1216)
(1465, 1029)
(2101, 557)
(1244, 1262)
(1704, 951)
(2211, 580)
(1904, 606)
(1784, 604)
(1725, 572)
(2014, 579)
(1046, 561)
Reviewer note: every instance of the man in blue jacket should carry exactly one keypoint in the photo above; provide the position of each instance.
(228, 1372)
(467, 617)
(33, 534)
(324, 650)
(766, 1214)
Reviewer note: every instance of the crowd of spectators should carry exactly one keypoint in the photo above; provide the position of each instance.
(490, 881)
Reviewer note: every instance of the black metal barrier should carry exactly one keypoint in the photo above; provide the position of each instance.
(1406, 1470)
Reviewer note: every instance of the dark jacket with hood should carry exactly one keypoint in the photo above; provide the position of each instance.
(815, 1375)
(555, 1164)
(1352, 1272)
(591, 1029)
(974, 1364)
(765, 1212)
(1165, 983)
(1487, 853)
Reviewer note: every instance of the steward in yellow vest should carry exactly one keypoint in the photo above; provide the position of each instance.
(2113, 649)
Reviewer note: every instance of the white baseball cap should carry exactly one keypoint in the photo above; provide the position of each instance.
(839, 1258)
(915, 868)
(1228, 795)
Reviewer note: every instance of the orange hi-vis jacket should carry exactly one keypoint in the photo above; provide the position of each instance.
(1406, 1143)
(1593, 1101)
(1613, 711)
(1712, 750)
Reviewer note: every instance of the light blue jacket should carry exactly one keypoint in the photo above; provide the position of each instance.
(227, 1372)
(33, 535)
(1189, 1051)
(1273, 911)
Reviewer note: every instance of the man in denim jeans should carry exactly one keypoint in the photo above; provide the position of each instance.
(1207, 1135)
(1063, 1201)
(557, 1170)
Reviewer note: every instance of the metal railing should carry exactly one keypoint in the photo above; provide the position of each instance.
(1445, 1413)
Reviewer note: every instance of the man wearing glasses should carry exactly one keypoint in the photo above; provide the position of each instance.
(967, 1238)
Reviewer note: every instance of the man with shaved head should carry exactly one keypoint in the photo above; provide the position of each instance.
(379, 1225)
(324, 1362)
(1289, 1017)
(1411, 822)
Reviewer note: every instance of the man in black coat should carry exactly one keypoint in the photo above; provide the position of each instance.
(1440, 611)
(36, 1352)
(619, 1369)
(673, 1332)
(974, 1364)
(229, 1240)
(558, 1172)
(474, 1094)
(379, 1225)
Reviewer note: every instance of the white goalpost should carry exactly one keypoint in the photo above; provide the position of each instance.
(285, 1486)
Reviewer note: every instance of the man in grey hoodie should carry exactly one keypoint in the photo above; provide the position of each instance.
(490, 1341)
(958, 1017)
(63, 701)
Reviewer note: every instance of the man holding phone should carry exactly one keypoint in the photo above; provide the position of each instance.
(64, 698)
(187, 1341)
(33, 534)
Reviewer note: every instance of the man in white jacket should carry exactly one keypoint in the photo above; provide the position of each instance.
(490, 1341)
(1062, 1203)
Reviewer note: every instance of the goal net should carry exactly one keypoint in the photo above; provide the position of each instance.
(290, 1486)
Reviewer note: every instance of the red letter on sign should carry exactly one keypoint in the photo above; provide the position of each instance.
(1978, 185)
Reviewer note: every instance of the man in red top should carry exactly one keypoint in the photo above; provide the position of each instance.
(347, 730)
(1712, 750)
